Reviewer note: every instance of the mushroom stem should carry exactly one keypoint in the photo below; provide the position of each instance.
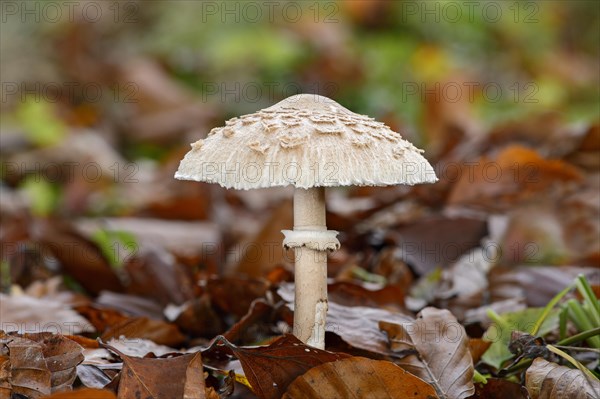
(310, 273)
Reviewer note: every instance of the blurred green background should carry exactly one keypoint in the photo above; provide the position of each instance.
(150, 77)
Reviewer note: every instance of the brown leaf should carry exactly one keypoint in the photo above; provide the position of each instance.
(259, 255)
(62, 357)
(101, 319)
(29, 373)
(359, 377)
(5, 386)
(234, 295)
(515, 174)
(538, 285)
(477, 347)
(270, 369)
(174, 377)
(547, 380)
(85, 393)
(356, 325)
(79, 257)
(188, 241)
(26, 370)
(442, 351)
(23, 313)
(197, 317)
(496, 388)
(259, 310)
(546, 133)
(155, 273)
(159, 331)
(439, 240)
(92, 376)
(131, 305)
(350, 294)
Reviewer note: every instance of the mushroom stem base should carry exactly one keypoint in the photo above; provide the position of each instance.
(310, 274)
(310, 305)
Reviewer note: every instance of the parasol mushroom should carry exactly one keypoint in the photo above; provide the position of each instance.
(310, 142)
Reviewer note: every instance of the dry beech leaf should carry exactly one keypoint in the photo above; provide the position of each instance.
(5, 386)
(515, 174)
(351, 294)
(356, 325)
(497, 388)
(174, 377)
(270, 369)
(359, 377)
(29, 374)
(85, 393)
(78, 256)
(23, 313)
(39, 364)
(547, 380)
(62, 358)
(477, 347)
(159, 331)
(442, 355)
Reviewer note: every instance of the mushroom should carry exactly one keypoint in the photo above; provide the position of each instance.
(310, 142)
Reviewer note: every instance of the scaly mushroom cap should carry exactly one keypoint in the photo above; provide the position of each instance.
(308, 141)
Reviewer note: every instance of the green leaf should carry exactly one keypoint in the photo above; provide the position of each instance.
(40, 123)
(499, 333)
(116, 245)
(43, 195)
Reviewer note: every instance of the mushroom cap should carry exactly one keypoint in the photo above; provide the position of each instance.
(307, 141)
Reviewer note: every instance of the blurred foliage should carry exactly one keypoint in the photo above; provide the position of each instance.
(519, 57)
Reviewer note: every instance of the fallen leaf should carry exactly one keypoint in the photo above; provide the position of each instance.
(62, 358)
(159, 331)
(197, 317)
(359, 377)
(350, 294)
(497, 388)
(356, 325)
(546, 133)
(100, 318)
(5, 386)
(547, 380)
(270, 369)
(131, 305)
(188, 241)
(85, 393)
(22, 313)
(92, 376)
(29, 374)
(234, 295)
(78, 256)
(155, 273)
(438, 241)
(442, 355)
(262, 252)
(515, 174)
(259, 310)
(173, 377)
(539, 284)
(477, 347)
